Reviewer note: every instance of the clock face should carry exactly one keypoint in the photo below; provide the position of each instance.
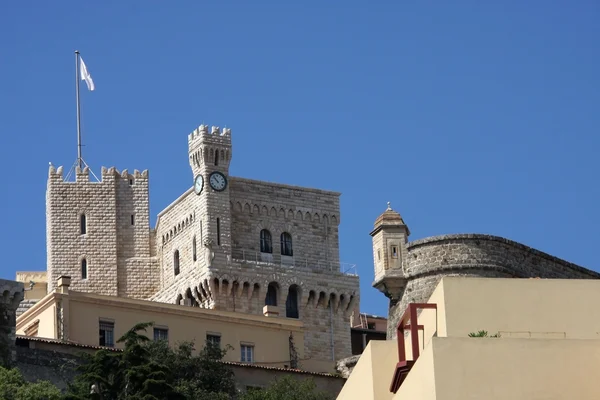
(198, 184)
(218, 181)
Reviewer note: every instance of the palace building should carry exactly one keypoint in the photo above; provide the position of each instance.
(228, 245)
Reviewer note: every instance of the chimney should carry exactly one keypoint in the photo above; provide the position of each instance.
(63, 284)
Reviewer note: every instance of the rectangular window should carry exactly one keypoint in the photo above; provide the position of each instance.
(132, 219)
(394, 251)
(247, 353)
(107, 334)
(218, 232)
(161, 334)
(213, 339)
(131, 182)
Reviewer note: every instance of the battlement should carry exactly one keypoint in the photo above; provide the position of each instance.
(215, 135)
(111, 174)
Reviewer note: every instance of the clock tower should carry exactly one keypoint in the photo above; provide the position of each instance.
(210, 155)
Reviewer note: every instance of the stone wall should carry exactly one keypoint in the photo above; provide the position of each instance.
(229, 272)
(430, 259)
(116, 242)
(261, 377)
(51, 365)
(310, 216)
(178, 227)
(11, 293)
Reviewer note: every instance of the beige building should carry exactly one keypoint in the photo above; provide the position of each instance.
(543, 342)
(226, 244)
(100, 320)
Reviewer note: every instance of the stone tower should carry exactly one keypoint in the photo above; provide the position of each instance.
(256, 247)
(98, 233)
(390, 237)
(210, 156)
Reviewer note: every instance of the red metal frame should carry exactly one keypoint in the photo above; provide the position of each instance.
(403, 366)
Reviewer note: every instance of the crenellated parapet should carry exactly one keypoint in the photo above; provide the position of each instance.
(111, 174)
(209, 147)
(214, 135)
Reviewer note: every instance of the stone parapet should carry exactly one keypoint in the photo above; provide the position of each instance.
(429, 260)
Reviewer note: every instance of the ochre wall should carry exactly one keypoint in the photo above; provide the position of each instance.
(271, 341)
(516, 369)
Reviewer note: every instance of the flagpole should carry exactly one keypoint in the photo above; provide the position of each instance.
(79, 159)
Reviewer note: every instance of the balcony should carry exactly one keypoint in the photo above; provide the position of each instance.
(291, 262)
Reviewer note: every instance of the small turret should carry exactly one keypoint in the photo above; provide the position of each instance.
(389, 250)
(209, 149)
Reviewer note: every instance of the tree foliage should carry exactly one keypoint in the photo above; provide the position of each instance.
(152, 370)
(288, 388)
(14, 387)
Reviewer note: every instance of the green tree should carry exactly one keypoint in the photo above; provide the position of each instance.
(14, 387)
(198, 377)
(288, 388)
(151, 370)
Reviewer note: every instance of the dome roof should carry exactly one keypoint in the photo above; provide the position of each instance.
(389, 217)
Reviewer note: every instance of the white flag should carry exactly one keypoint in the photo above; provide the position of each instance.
(85, 75)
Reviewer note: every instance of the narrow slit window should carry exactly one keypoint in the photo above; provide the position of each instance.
(394, 252)
(132, 219)
(218, 232)
(83, 224)
(194, 248)
(217, 157)
(84, 271)
(176, 262)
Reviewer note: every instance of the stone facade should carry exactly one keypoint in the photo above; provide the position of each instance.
(424, 262)
(12, 294)
(206, 249)
(98, 233)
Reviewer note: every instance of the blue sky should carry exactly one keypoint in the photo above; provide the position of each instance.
(468, 116)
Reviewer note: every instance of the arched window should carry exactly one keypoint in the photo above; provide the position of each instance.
(286, 244)
(194, 248)
(291, 304)
(176, 262)
(83, 224)
(266, 244)
(84, 269)
(271, 299)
